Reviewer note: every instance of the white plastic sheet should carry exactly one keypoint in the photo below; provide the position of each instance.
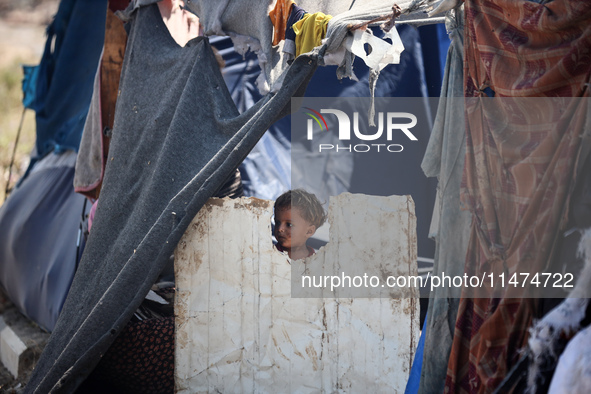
(239, 330)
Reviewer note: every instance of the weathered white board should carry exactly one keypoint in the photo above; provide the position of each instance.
(239, 330)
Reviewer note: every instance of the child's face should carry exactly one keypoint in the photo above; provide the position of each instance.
(291, 229)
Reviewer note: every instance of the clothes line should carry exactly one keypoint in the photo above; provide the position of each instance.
(421, 22)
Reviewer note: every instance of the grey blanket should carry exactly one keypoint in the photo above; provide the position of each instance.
(177, 137)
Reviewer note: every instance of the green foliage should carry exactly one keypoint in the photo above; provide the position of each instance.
(10, 88)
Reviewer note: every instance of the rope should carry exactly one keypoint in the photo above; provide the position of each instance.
(8, 189)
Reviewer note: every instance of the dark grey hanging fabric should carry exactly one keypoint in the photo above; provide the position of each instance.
(177, 137)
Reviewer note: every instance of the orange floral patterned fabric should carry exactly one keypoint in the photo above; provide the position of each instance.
(279, 16)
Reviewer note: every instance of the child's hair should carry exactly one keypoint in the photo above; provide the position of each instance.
(308, 204)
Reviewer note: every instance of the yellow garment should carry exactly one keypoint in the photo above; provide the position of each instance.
(310, 30)
(279, 16)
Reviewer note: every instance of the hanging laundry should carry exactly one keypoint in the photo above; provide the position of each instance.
(289, 47)
(516, 183)
(91, 161)
(450, 226)
(279, 17)
(309, 31)
(256, 32)
(40, 220)
(175, 141)
(64, 82)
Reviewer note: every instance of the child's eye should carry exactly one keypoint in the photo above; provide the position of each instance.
(289, 225)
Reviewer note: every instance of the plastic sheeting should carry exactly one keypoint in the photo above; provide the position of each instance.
(39, 230)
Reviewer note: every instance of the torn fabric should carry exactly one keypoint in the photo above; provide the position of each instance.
(222, 18)
(94, 144)
(177, 137)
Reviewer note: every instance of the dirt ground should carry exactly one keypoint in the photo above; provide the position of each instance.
(22, 40)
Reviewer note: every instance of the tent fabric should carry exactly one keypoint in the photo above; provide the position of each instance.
(57, 89)
(435, 43)
(540, 51)
(39, 224)
(220, 18)
(407, 79)
(177, 137)
(444, 159)
(64, 84)
(414, 380)
(94, 143)
(29, 86)
(266, 172)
